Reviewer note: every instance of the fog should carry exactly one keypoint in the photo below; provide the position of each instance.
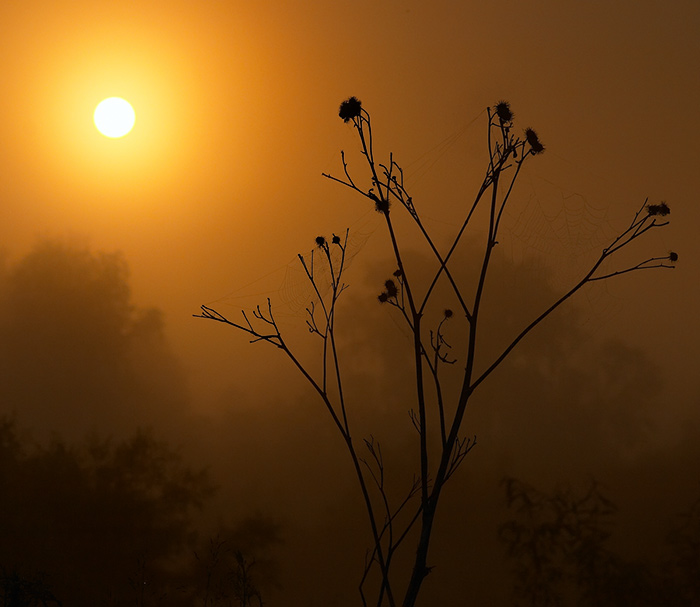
(568, 407)
(151, 457)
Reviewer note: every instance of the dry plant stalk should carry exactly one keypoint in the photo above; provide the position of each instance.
(441, 453)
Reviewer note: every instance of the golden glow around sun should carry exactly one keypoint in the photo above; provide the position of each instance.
(114, 117)
(157, 75)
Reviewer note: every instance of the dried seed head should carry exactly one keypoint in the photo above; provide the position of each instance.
(448, 313)
(320, 241)
(661, 209)
(534, 141)
(383, 298)
(673, 256)
(336, 239)
(350, 108)
(380, 205)
(503, 111)
(391, 289)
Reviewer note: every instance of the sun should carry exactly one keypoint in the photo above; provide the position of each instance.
(114, 117)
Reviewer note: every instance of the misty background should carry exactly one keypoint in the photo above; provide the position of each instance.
(134, 435)
(123, 468)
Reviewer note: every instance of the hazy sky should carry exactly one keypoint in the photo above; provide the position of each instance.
(236, 105)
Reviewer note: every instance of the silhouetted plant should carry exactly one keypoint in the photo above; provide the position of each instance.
(438, 414)
(558, 544)
(556, 541)
(144, 591)
(67, 321)
(231, 569)
(685, 541)
(99, 509)
(18, 590)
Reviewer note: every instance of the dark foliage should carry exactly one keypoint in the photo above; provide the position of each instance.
(558, 544)
(86, 516)
(18, 590)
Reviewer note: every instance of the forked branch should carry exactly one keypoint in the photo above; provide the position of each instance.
(438, 413)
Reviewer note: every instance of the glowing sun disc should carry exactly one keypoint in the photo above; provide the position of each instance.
(114, 117)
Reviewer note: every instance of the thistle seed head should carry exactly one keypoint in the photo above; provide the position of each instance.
(350, 108)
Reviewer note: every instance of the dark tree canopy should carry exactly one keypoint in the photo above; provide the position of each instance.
(82, 518)
(560, 550)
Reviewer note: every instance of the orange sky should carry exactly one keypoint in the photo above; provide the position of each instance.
(220, 181)
(236, 105)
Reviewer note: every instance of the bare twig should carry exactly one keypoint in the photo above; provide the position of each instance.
(441, 452)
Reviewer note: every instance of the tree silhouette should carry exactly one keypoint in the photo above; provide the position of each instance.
(86, 515)
(236, 565)
(558, 544)
(685, 540)
(445, 335)
(19, 591)
(77, 355)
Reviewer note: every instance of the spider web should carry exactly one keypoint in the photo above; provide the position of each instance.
(562, 229)
(558, 220)
(296, 291)
(557, 226)
(288, 286)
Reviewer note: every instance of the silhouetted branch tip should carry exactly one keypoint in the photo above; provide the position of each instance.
(448, 313)
(383, 297)
(535, 144)
(504, 112)
(350, 108)
(661, 209)
(336, 239)
(673, 256)
(320, 241)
